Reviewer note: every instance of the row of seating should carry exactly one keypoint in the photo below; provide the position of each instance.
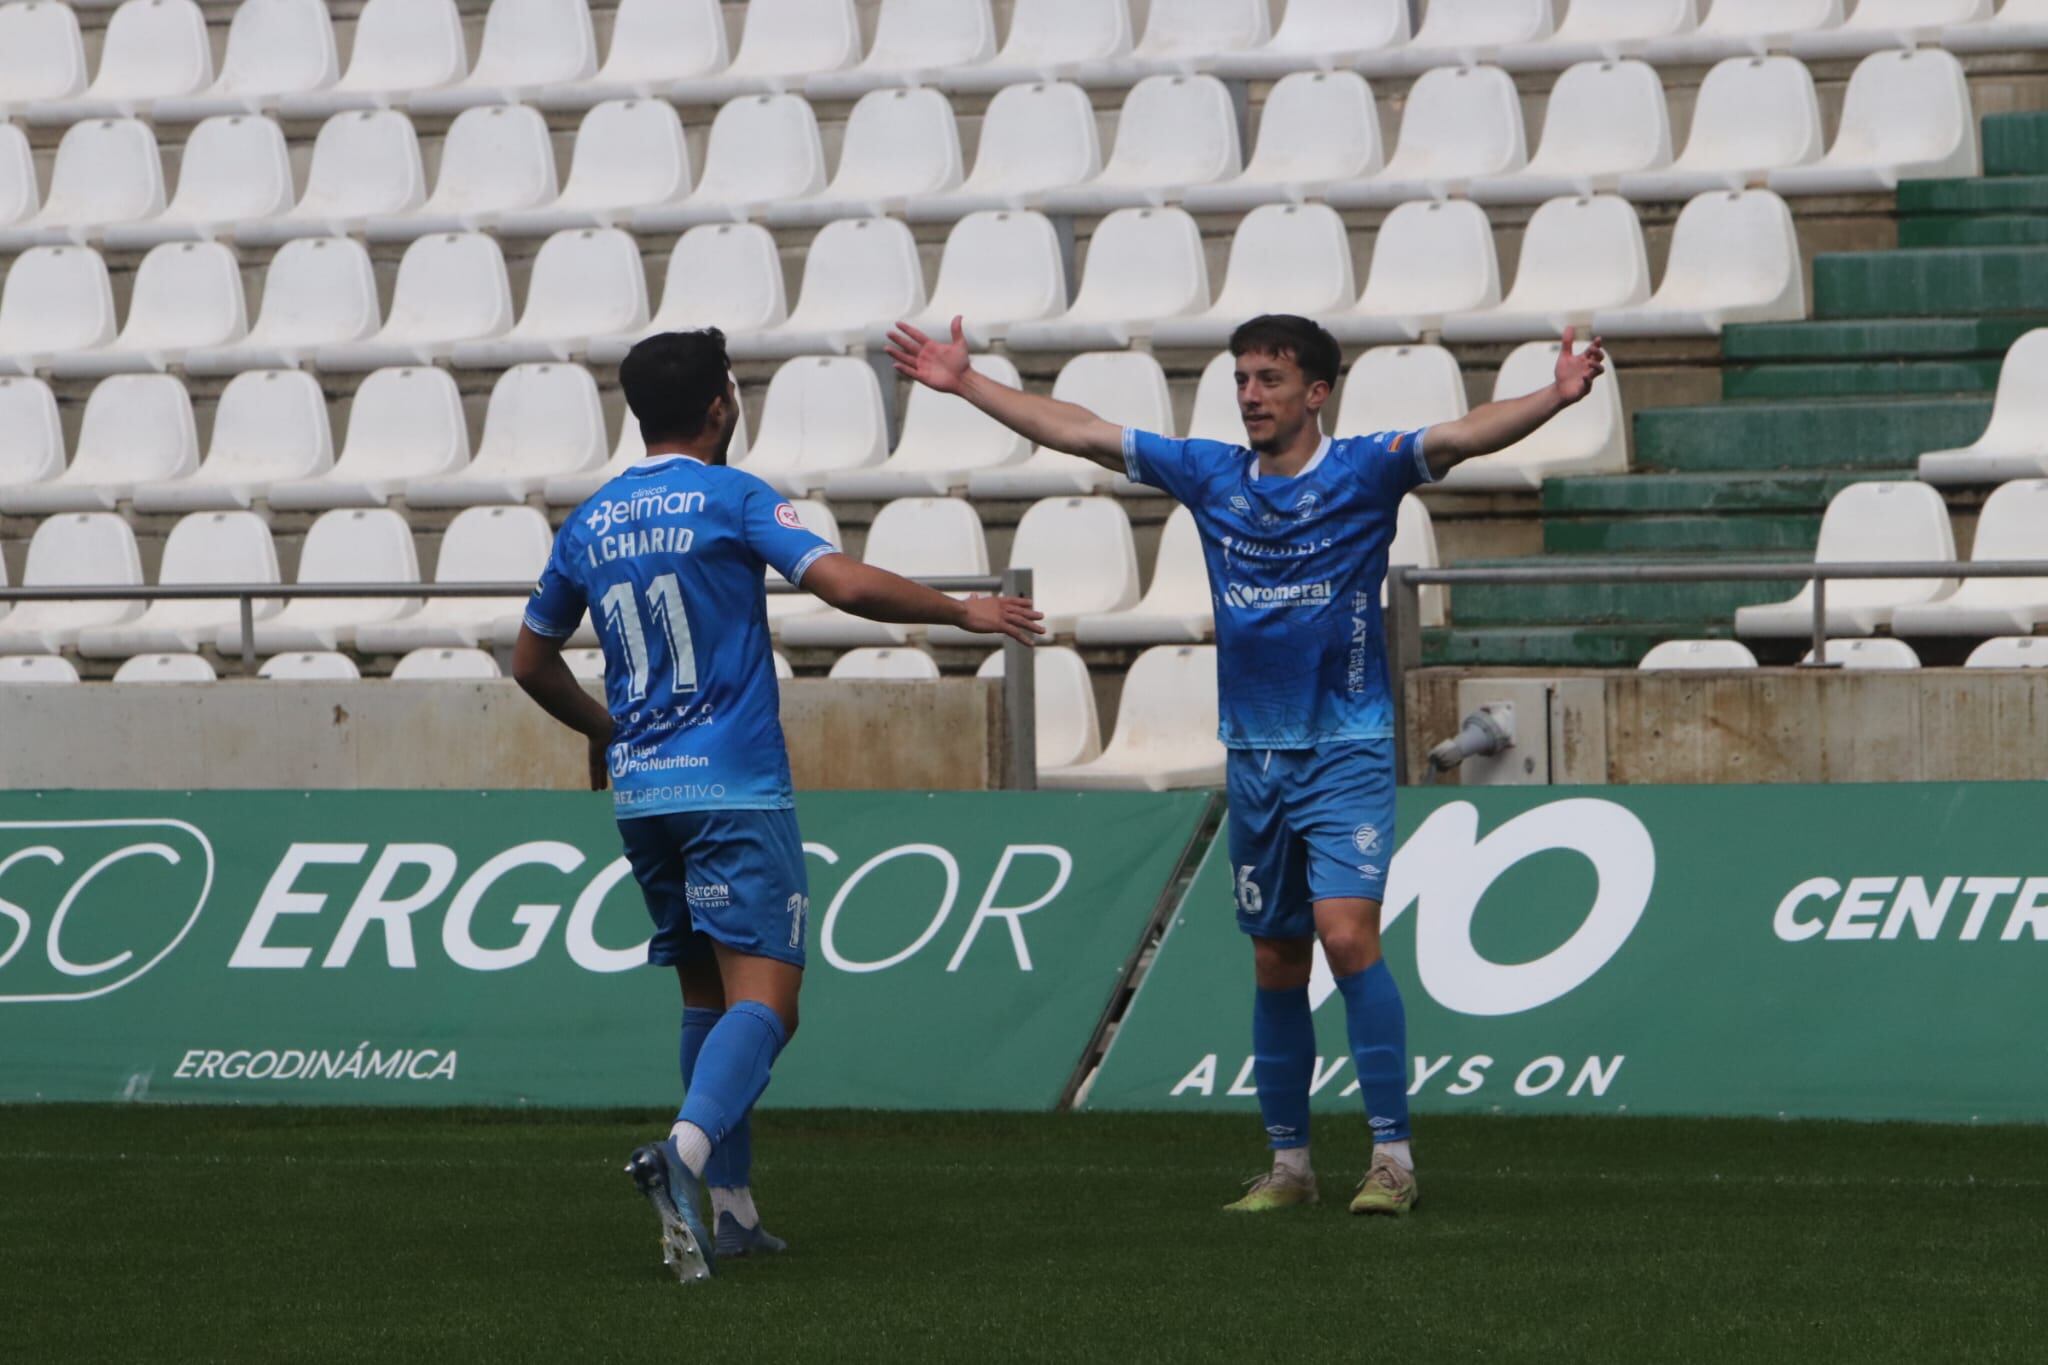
(1756, 119)
(1883, 653)
(157, 58)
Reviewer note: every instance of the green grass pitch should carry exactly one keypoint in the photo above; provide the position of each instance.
(159, 1234)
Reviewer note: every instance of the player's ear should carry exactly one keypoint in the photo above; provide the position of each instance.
(1318, 394)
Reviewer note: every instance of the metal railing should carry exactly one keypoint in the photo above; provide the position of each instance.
(1020, 690)
(1405, 584)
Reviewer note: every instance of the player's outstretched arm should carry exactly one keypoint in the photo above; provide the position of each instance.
(942, 365)
(538, 668)
(1496, 426)
(863, 590)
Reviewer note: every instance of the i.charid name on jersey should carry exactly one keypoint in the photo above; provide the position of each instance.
(605, 515)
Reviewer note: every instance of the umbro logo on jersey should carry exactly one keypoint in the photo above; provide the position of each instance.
(1260, 598)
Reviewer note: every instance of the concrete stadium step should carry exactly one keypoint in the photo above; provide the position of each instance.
(1865, 378)
(1812, 435)
(1615, 646)
(1877, 338)
(1523, 605)
(1654, 495)
(1934, 283)
(1767, 536)
(2015, 144)
(1939, 230)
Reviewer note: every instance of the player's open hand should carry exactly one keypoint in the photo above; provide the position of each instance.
(1576, 373)
(1011, 616)
(940, 365)
(600, 764)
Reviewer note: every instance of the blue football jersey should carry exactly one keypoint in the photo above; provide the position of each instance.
(1295, 571)
(667, 559)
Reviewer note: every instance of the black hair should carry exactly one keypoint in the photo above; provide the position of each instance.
(1306, 341)
(670, 380)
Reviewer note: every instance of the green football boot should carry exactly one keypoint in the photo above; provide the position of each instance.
(1276, 1189)
(1388, 1188)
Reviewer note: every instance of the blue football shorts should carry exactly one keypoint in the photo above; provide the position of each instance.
(1308, 825)
(733, 876)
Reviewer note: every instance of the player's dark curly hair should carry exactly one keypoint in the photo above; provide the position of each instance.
(670, 380)
(1306, 341)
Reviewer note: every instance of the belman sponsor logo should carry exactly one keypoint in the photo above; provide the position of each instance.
(1282, 596)
(647, 503)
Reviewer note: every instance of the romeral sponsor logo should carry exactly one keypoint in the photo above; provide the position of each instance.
(1914, 909)
(1280, 596)
(643, 505)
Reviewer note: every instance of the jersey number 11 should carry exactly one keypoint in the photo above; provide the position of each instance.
(665, 600)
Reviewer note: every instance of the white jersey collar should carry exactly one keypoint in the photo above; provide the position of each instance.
(1322, 453)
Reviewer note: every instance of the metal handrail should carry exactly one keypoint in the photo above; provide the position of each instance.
(1020, 690)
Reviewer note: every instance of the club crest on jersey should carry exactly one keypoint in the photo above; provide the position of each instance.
(1307, 505)
(786, 514)
(1366, 839)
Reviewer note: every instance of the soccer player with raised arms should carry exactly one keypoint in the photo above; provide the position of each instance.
(668, 559)
(1295, 530)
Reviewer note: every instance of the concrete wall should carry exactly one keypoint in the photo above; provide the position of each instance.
(447, 735)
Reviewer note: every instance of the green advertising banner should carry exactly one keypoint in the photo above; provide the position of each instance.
(1870, 952)
(490, 948)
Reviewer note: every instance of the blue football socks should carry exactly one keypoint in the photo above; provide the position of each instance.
(732, 1164)
(1378, 1029)
(1283, 1063)
(731, 1071)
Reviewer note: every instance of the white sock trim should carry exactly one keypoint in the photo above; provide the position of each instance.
(737, 1202)
(693, 1145)
(1292, 1160)
(1400, 1153)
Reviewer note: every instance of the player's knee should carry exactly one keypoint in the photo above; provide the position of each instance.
(1350, 948)
(1282, 964)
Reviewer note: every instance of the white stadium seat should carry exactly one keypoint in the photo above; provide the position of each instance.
(821, 414)
(349, 545)
(1176, 608)
(20, 194)
(1906, 116)
(1578, 255)
(1461, 123)
(137, 428)
(56, 299)
(1317, 128)
(1753, 115)
(572, 490)
(271, 426)
(1686, 655)
(275, 48)
(1165, 728)
(2010, 652)
(782, 668)
(856, 271)
(1880, 654)
(1181, 37)
(2019, 25)
(585, 665)
(107, 171)
(915, 41)
(166, 668)
(898, 145)
(185, 295)
(1590, 437)
(452, 287)
(1734, 258)
(1172, 132)
(401, 47)
(784, 42)
(1460, 32)
(2015, 443)
(1431, 259)
(1045, 38)
(1879, 24)
(586, 282)
(2012, 528)
(999, 268)
(403, 424)
(1414, 545)
(885, 664)
(1605, 120)
(84, 549)
(1602, 30)
(446, 665)
(497, 158)
(1143, 265)
(1866, 523)
(205, 548)
(481, 545)
(1063, 705)
(944, 440)
(629, 153)
(1083, 562)
(1216, 416)
(543, 421)
(762, 148)
(1124, 387)
(1745, 28)
(914, 537)
(1034, 138)
(319, 291)
(1284, 258)
(42, 53)
(234, 166)
(527, 46)
(1401, 388)
(723, 275)
(654, 42)
(310, 666)
(47, 670)
(31, 433)
(152, 50)
(366, 164)
(1321, 35)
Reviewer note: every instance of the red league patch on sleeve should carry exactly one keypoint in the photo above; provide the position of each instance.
(786, 514)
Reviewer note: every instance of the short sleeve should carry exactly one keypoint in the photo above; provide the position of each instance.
(558, 603)
(775, 533)
(1393, 464)
(1160, 462)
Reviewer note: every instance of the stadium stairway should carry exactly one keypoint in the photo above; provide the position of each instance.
(1902, 356)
